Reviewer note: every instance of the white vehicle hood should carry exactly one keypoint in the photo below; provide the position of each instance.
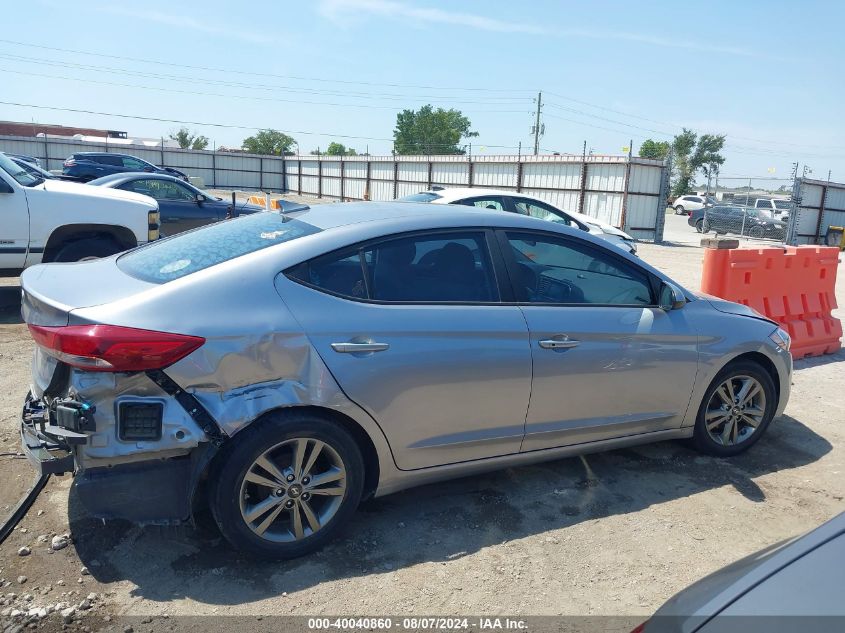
(604, 226)
(80, 189)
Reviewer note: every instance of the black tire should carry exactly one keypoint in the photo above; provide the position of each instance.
(89, 248)
(701, 437)
(756, 232)
(699, 225)
(236, 460)
(679, 210)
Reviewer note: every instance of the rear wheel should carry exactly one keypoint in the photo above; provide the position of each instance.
(287, 485)
(85, 249)
(736, 410)
(679, 210)
(699, 226)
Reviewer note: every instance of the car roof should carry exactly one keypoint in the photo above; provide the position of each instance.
(126, 176)
(457, 193)
(107, 154)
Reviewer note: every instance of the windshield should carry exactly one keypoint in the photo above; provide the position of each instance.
(422, 196)
(783, 204)
(21, 175)
(214, 244)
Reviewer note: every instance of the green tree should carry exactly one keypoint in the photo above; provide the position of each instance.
(430, 131)
(682, 147)
(693, 153)
(655, 149)
(269, 142)
(187, 140)
(339, 149)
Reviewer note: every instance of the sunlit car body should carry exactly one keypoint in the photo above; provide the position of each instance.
(296, 364)
(523, 204)
(795, 585)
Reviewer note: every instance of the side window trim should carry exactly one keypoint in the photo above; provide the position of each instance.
(500, 282)
(510, 264)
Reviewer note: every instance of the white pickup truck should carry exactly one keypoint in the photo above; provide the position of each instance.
(59, 221)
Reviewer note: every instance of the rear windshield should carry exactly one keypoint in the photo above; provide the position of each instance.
(422, 196)
(196, 250)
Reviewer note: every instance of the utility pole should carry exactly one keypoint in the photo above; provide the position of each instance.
(537, 123)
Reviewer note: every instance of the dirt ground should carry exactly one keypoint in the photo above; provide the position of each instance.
(610, 534)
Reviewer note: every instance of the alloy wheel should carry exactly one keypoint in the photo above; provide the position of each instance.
(292, 490)
(735, 410)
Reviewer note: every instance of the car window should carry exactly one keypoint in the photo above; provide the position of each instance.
(693, 199)
(160, 189)
(133, 163)
(106, 160)
(555, 270)
(783, 204)
(487, 202)
(186, 253)
(430, 268)
(539, 210)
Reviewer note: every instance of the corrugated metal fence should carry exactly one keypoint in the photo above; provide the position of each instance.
(627, 192)
(818, 204)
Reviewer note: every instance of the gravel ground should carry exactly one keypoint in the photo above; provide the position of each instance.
(610, 534)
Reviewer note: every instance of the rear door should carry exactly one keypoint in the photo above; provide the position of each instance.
(413, 330)
(606, 361)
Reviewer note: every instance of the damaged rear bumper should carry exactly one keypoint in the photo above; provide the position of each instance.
(48, 447)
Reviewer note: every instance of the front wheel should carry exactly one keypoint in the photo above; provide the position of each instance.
(736, 410)
(756, 232)
(287, 485)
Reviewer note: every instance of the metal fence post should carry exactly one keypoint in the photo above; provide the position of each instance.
(299, 176)
(46, 154)
(627, 187)
(470, 172)
(519, 173)
(214, 167)
(162, 152)
(341, 179)
(821, 214)
(261, 173)
(284, 173)
(430, 168)
(319, 176)
(367, 193)
(583, 190)
(395, 178)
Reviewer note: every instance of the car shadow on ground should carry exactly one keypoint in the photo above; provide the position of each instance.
(434, 523)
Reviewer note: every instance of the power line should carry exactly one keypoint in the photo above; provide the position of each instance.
(251, 73)
(226, 125)
(251, 86)
(225, 96)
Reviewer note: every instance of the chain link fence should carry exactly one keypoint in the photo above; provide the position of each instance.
(753, 209)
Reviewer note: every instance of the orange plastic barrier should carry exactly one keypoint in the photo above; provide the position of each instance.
(792, 285)
(259, 200)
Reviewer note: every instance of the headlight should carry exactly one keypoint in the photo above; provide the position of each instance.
(781, 338)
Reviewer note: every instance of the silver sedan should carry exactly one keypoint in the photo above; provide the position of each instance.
(283, 367)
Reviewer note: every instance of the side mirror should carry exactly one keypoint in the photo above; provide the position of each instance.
(671, 297)
(200, 198)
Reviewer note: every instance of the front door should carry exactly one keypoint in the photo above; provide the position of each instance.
(606, 361)
(413, 331)
(14, 222)
(177, 204)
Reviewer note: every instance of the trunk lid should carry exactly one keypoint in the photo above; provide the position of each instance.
(50, 292)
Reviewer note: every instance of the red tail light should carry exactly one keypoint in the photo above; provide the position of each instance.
(113, 348)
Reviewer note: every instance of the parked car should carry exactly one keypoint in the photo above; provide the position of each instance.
(503, 200)
(738, 221)
(687, 204)
(24, 157)
(182, 206)
(54, 221)
(85, 166)
(795, 585)
(778, 208)
(35, 170)
(292, 364)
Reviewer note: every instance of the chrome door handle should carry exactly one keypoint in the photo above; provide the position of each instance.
(356, 348)
(559, 342)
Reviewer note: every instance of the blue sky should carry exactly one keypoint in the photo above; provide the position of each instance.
(766, 74)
